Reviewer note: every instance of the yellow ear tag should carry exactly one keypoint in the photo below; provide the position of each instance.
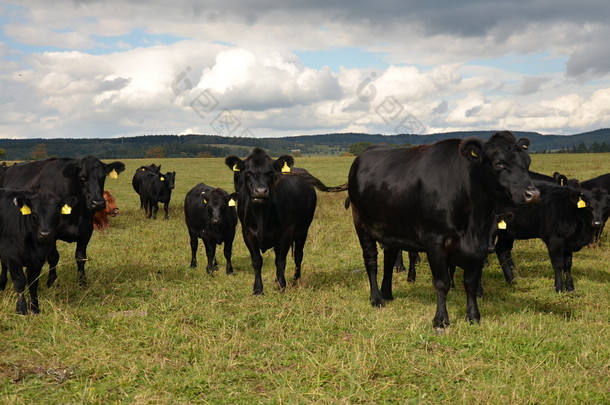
(524, 146)
(162, 178)
(113, 174)
(143, 169)
(286, 168)
(25, 210)
(581, 203)
(235, 168)
(66, 209)
(473, 153)
(561, 182)
(502, 224)
(232, 203)
(205, 201)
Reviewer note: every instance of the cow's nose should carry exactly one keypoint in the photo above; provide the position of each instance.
(261, 192)
(44, 234)
(597, 224)
(531, 195)
(98, 204)
(215, 221)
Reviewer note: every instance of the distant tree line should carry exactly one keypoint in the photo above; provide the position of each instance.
(596, 147)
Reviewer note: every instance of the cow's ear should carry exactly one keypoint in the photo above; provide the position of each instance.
(524, 143)
(560, 179)
(71, 201)
(23, 204)
(113, 169)
(472, 149)
(283, 163)
(71, 170)
(576, 196)
(234, 163)
(232, 199)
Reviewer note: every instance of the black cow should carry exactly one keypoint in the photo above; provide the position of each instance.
(28, 230)
(210, 214)
(602, 181)
(155, 189)
(82, 178)
(275, 211)
(437, 198)
(566, 220)
(138, 176)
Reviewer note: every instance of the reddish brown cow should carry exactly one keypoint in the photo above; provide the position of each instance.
(100, 220)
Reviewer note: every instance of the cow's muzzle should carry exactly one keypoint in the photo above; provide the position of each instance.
(531, 195)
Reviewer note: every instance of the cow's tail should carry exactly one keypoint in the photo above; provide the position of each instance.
(347, 203)
(315, 182)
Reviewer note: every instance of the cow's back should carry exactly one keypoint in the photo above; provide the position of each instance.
(45, 175)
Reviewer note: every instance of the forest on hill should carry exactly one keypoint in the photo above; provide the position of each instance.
(173, 146)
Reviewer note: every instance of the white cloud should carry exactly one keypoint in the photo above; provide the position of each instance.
(448, 67)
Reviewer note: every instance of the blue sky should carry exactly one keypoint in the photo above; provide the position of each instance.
(114, 68)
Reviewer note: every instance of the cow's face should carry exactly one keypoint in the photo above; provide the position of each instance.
(90, 175)
(169, 179)
(216, 203)
(595, 204)
(111, 207)
(44, 210)
(504, 165)
(259, 172)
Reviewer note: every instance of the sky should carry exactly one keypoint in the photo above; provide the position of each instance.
(115, 68)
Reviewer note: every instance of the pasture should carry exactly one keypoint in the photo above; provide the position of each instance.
(149, 329)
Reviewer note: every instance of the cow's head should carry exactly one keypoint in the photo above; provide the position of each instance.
(153, 168)
(89, 175)
(216, 203)
(594, 204)
(257, 173)
(502, 162)
(168, 179)
(111, 208)
(44, 210)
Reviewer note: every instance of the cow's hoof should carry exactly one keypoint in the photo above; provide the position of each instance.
(400, 269)
(377, 302)
(258, 293)
(441, 331)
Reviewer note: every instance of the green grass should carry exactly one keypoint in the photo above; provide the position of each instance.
(148, 329)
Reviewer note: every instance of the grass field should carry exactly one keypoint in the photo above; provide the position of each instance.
(149, 329)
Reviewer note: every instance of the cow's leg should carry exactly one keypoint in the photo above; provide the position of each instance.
(299, 245)
(369, 254)
(567, 269)
(281, 252)
(81, 255)
(504, 246)
(413, 260)
(166, 210)
(194, 245)
(154, 208)
(3, 277)
(257, 261)
(437, 259)
(147, 208)
(228, 252)
(556, 253)
(33, 275)
(399, 265)
(210, 251)
(52, 259)
(19, 282)
(389, 259)
(472, 282)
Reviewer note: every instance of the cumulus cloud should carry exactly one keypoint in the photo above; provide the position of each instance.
(112, 68)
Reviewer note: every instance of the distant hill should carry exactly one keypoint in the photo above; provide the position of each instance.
(219, 146)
